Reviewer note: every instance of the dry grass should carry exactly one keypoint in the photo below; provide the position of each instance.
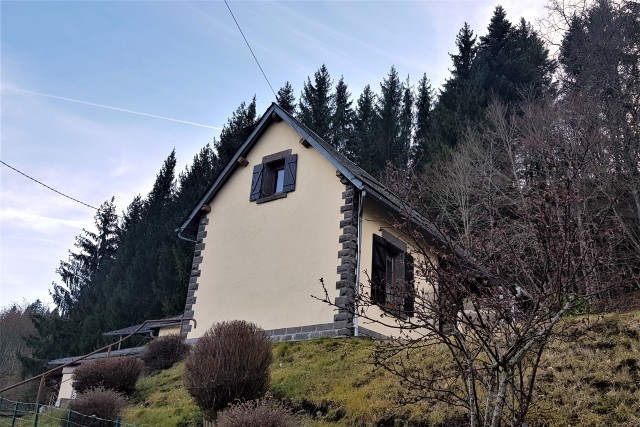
(596, 381)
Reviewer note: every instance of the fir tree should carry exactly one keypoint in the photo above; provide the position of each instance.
(342, 122)
(286, 99)
(422, 151)
(388, 123)
(463, 60)
(406, 125)
(511, 60)
(459, 101)
(364, 141)
(95, 249)
(236, 131)
(81, 293)
(317, 103)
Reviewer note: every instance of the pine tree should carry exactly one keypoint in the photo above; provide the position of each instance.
(467, 49)
(139, 280)
(196, 179)
(95, 249)
(317, 103)
(164, 188)
(423, 151)
(388, 123)
(511, 60)
(459, 103)
(81, 292)
(365, 150)
(406, 125)
(236, 131)
(342, 122)
(286, 99)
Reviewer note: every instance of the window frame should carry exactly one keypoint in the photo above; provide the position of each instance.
(265, 177)
(389, 249)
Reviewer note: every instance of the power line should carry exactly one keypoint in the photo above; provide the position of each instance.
(249, 46)
(45, 185)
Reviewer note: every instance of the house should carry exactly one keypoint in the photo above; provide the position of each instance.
(286, 211)
(66, 391)
(153, 328)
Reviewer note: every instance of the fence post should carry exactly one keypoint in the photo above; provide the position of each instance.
(15, 415)
(118, 421)
(35, 419)
(1, 402)
(68, 418)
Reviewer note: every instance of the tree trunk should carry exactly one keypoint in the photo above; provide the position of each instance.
(500, 396)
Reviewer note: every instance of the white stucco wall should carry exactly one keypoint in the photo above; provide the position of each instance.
(66, 385)
(169, 330)
(262, 262)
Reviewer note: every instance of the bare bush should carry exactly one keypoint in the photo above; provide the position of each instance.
(164, 352)
(229, 363)
(118, 373)
(97, 407)
(261, 412)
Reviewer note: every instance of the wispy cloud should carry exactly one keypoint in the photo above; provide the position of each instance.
(36, 221)
(124, 110)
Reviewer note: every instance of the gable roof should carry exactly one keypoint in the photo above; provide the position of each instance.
(362, 180)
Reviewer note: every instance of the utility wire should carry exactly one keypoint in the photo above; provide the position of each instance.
(45, 185)
(249, 46)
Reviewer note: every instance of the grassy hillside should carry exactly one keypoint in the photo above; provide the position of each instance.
(594, 382)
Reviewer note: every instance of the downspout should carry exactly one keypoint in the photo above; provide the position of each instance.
(204, 209)
(363, 193)
(186, 239)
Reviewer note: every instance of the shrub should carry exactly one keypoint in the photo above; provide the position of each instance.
(97, 407)
(118, 373)
(229, 363)
(164, 352)
(261, 412)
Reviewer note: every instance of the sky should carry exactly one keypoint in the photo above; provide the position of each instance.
(94, 95)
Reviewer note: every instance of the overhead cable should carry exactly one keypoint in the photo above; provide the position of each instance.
(45, 185)
(249, 46)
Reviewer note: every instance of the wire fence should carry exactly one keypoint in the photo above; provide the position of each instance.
(21, 414)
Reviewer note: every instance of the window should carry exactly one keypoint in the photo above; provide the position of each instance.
(274, 177)
(392, 277)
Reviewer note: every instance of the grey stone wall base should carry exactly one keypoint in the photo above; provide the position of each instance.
(364, 332)
(301, 333)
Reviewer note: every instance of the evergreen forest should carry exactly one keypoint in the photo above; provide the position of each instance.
(133, 266)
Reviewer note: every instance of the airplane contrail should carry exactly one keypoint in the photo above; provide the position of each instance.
(115, 108)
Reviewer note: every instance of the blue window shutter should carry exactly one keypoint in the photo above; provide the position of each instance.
(378, 270)
(410, 294)
(290, 168)
(256, 182)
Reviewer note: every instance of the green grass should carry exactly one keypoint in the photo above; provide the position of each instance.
(594, 382)
(160, 400)
(335, 379)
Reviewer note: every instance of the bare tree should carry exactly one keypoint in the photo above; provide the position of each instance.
(15, 327)
(527, 213)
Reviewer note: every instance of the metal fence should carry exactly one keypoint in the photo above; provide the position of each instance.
(21, 414)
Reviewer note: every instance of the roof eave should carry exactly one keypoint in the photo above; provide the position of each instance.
(186, 229)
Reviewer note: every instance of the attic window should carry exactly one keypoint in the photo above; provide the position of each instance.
(274, 177)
